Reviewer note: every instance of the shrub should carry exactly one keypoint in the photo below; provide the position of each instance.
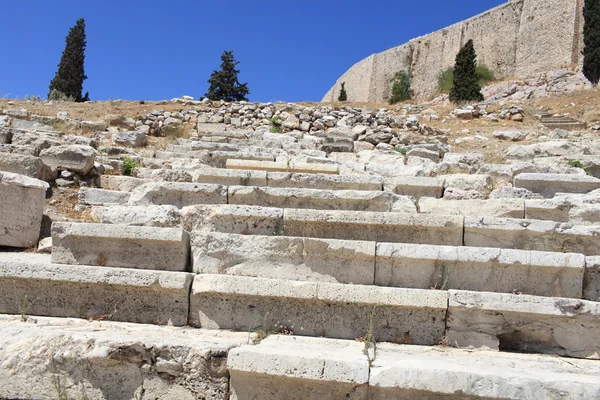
(57, 95)
(129, 166)
(343, 95)
(484, 74)
(591, 41)
(275, 124)
(400, 87)
(446, 77)
(466, 83)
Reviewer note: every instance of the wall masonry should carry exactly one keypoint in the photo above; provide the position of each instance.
(517, 39)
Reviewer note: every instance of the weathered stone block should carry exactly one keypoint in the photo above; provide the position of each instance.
(27, 165)
(591, 283)
(230, 177)
(425, 266)
(507, 208)
(241, 219)
(322, 181)
(178, 194)
(549, 184)
(157, 216)
(302, 259)
(120, 183)
(74, 158)
(30, 284)
(415, 186)
(21, 209)
(100, 197)
(108, 245)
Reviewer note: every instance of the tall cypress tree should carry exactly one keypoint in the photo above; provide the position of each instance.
(591, 40)
(343, 95)
(466, 83)
(224, 84)
(70, 75)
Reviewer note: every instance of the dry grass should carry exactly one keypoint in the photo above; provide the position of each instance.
(64, 202)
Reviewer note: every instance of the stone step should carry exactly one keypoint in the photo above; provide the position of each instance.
(524, 323)
(99, 197)
(317, 309)
(550, 184)
(526, 234)
(76, 359)
(219, 158)
(567, 126)
(392, 264)
(31, 285)
(289, 367)
(120, 246)
(416, 186)
(508, 208)
(281, 166)
(319, 199)
(179, 194)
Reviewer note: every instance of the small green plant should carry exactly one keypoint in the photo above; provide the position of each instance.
(275, 124)
(370, 341)
(278, 329)
(401, 150)
(25, 306)
(578, 164)
(56, 95)
(343, 95)
(443, 284)
(400, 87)
(129, 166)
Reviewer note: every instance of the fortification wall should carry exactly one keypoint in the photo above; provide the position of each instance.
(516, 39)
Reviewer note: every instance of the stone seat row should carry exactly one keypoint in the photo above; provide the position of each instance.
(420, 266)
(278, 368)
(31, 285)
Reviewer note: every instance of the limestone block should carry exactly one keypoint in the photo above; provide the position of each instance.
(280, 257)
(424, 266)
(522, 323)
(317, 309)
(165, 249)
(38, 141)
(509, 208)
(21, 209)
(375, 226)
(130, 139)
(415, 186)
(112, 360)
(166, 175)
(178, 194)
(230, 177)
(322, 181)
(480, 183)
(241, 219)
(121, 183)
(74, 158)
(278, 166)
(549, 184)
(308, 168)
(30, 284)
(284, 367)
(356, 200)
(27, 165)
(529, 234)
(5, 135)
(556, 209)
(157, 216)
(418, 372)
(100, 197)
(591, 283)
(213, 130)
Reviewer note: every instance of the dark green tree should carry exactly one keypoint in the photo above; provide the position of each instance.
(70, 75)
(343, 95)
(224, 84)
(591, 40)
(400, 87)
(466, 82)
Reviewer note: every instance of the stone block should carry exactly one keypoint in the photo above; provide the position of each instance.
(528, 234)
(318, 309)
(241, 219)
(284, 367)
(279, 257)
(522, 323)
(100, 197)
(178, 194)
(418, 372)
(31, 285)
(27, 165)
(22, 202)
(112, 360)
(507, 208)
(375, 226)
(356, 200)
(120, 183)
(230, 177)
(549, 184)
(157, 216)
(415, 186)
(279, 166)
(107, 245)
(591, 282)
(480, 183)
(74, 158)
(322, 181)
(424, 266)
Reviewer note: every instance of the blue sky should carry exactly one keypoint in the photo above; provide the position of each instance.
(290, 50)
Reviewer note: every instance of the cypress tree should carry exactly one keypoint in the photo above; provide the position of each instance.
(70, 75)
(400, 87)
(591, 40)
(466, 83)
(343, 95)
(224, 84)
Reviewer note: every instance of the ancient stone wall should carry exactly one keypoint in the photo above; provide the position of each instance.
(516, 39)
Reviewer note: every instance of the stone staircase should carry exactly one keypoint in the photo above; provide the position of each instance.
(282, 273)
(550, 121)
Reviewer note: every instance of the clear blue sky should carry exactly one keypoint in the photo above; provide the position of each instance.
(290, 50)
